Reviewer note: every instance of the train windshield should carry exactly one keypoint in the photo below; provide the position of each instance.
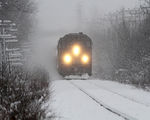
(68, 43)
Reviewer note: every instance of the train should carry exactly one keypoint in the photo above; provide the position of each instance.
(74, 55)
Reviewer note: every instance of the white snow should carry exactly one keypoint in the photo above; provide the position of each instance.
(77, 77)
(126, 91)
(70, 103)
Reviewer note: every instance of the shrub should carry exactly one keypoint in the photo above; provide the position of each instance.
(22, 94)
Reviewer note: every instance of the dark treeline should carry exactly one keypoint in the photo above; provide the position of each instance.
(122, 45)
(21, 12)
(23, 92)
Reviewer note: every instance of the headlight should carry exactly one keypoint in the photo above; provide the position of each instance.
(76, 50)
(67, 58)
(85, 59)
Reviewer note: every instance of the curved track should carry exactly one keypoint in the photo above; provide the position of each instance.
(112, 110)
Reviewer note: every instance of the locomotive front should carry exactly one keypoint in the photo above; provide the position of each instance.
(75, 55)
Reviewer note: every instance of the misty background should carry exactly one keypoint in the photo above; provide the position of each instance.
(29, 34)
(55, 18)
(68, 15)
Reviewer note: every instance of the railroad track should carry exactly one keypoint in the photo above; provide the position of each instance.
(128, 98)
(102, 104)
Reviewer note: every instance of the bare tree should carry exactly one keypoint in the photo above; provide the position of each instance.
(20, 12)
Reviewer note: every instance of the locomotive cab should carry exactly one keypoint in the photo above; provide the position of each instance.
(75, 55)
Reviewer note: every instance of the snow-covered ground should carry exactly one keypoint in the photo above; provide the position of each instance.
(97, 99)
(126, 91)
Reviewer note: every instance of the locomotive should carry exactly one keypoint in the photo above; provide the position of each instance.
(74, 55)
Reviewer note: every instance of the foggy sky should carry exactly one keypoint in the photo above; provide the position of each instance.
(62, 14)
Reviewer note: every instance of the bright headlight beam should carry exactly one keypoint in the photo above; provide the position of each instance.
(85, 59)
(76, 50)
(67, 58)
